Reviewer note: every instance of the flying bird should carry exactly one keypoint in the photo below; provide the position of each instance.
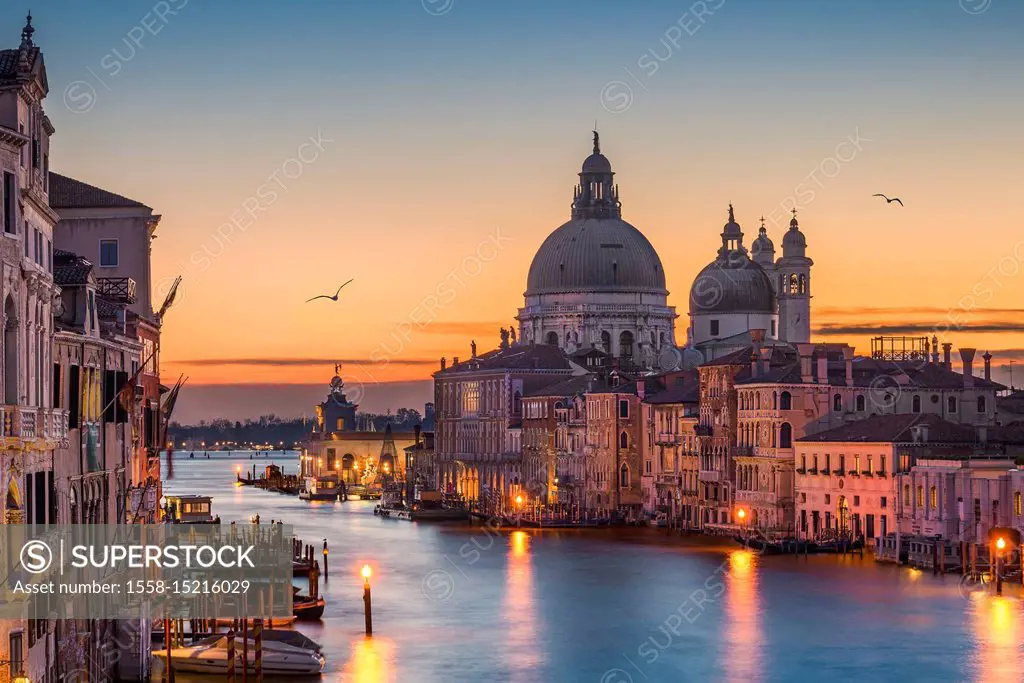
(887, 200)
(328, 296)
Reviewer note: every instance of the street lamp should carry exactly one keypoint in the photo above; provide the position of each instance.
(1000, 546)
(367, 609)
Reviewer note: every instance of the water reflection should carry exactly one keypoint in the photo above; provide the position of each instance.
(997, 638)
(372, 661)
(522, 656)
(742, 654)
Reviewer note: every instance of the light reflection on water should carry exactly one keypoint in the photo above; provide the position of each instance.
(534, 606)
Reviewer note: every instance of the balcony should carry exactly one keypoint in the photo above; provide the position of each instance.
(744, 450)
(802, 470)
(841, 472)
(120, 289)
(669, 438)
(826, 472)
(22, 422)
(712, 476)
(880, 473)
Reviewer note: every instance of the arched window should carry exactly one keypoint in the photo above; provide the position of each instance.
(915, 404)
(981, 404)
(757, 400)
(919, 501)
(860, 402)
(951, 404)
(785, 401)
(803, 284)
(623, 440)
(933, 498)
(626, 344)
(552, 339)
(794, 285)
(11, 352)
(1017, 504)
(786, 436)
(606, 342)
(624, 476)
(837, 403)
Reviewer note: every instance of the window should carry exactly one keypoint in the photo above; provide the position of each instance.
(624, 476)
(919, 498)
(916, 404)
(882, 502)
(856, 501)
(647, 466)
(906, 494)
(951, 404)
(828, 501)
(837, 403)
(773, 333)
(856, 464)
(860, 403)
(933, 498)
(10, 197)
(786, 436)
(714, 328)
(626, 344)
(1017, 504)
(623, 440)
(623, 408)
(17, 666)
(981, 404)
(552, 338)
(881, 465)
(108, 253)
(786, 401)
(606, 342)
(339, 424)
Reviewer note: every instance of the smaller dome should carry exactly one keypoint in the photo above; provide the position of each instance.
(793, 242)
(597, 163)
(763, 250)
(732, 285)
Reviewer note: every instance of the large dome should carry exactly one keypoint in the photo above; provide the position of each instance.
(734, 284)
(594, 254)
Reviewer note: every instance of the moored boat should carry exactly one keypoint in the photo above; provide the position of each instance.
(210, 656)
(307, 608)
(319, 488)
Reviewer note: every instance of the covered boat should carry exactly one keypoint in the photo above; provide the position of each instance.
(210, 656)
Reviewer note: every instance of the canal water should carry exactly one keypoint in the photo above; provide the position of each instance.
(459, 604)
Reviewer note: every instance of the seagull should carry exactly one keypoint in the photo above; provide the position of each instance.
(887, 200)
(328, 296)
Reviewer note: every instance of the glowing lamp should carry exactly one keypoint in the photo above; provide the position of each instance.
(1000, 543)
(519, 500)
(741, 513)
(366, 572)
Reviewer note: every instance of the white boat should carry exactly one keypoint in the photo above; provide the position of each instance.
(210, 656)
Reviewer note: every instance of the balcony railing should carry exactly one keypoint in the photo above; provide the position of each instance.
(117, 288)
(669, 438)
(30, 423)
(744, 450)
(709, 475)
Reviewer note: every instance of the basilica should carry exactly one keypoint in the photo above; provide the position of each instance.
(597, 282)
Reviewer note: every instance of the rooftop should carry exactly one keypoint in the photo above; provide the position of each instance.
(898, 429)
(68, 193)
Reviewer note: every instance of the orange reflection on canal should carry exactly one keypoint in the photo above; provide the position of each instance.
(742, 655)
(996, 621)
(372, 661)
(521, 646)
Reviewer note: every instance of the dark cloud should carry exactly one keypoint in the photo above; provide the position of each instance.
(939, 327)
(851, 311)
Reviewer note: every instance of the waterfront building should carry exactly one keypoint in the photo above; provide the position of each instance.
(596, 281)
(115, 234)
(479, 413)
(32, 427)
(848, 478)
(420, 468)
(337, 448)
(671, 463)
(613, 446)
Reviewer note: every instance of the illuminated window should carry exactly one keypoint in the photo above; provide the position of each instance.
(340, 425)
(933, 498)
(1017, 504)
(919, 500)
(906, 494)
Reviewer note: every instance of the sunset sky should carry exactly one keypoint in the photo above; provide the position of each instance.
(451, 133)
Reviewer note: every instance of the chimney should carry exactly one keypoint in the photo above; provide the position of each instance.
(946, 348)
(822, 365)
(967, 356)
(640, 389)
(757, 337)
(935, 349)
(988, 366)
(416, 434)
(806, 351)
(766, 359)
(444, 363)
(753, 364)
(848, 357)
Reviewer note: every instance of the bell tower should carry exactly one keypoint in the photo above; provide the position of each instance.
(793, 271)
